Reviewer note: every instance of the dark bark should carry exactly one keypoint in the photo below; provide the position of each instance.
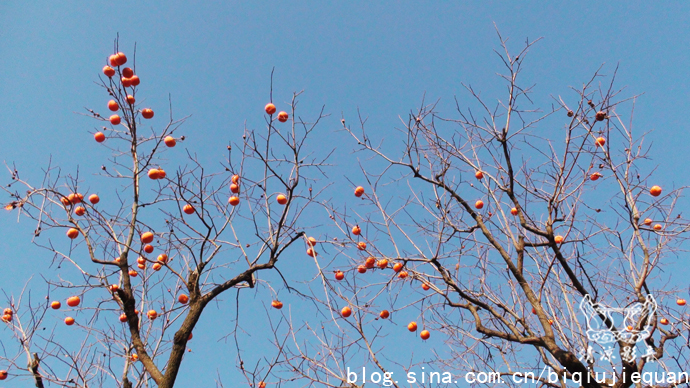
(33, 367)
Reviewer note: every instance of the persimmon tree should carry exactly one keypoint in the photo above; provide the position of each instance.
(487, 228)
(141, 262)
(483, 231)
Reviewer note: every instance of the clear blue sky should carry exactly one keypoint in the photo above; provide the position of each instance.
(214, 58)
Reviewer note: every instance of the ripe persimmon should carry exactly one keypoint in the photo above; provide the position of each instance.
(123, 317)
(73, 301)
(75, 198)
(136, 81)
(658, 227)
(283, 117)
(346, 312)
(170, 141)
(113, 60)
(79, 210)
(114, 119)
(362, 269)
(127, 72)
(339, 275)
(595, 176)
(133, 273)
(514, 211)
(356, 230)
(147, 113)
(157, 266)
(130, 99)
(99, 137)
(383, 263)
(311, 252)
(601, 141)
(94, 199)
(479, 204)
(647, 221)
(412, 326)
(184, 299)
(126, 82)
(113, 106)
(161, 173)
(664, 321)
(397, 267)
(148, 248)
(680, 302)
(72, 233)
(147, 237)
(7, 318)
(234, 188)
(69, 321)
(359, 191)
(153, 173)
(3, 374)
(276, 304)
(425, 335)
(162, 258)
(234, 200)
(361, 245)
(152, 314)
(270, 108)
(120, 58)
(558, 239)
(370, 262)
(108, 71)
(282, 199)
(655, 191)
(188, 209)
(311, 241)
(235, 179)
(55, 305)
(600, 116)
(425, 287)
(479, 175)
(384, 314)
(114, 288)
(402, 274)
(141, 266)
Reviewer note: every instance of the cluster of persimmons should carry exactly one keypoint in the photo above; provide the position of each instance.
(234, 200)
(75, 200)
(383, 263)
(76, 203)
